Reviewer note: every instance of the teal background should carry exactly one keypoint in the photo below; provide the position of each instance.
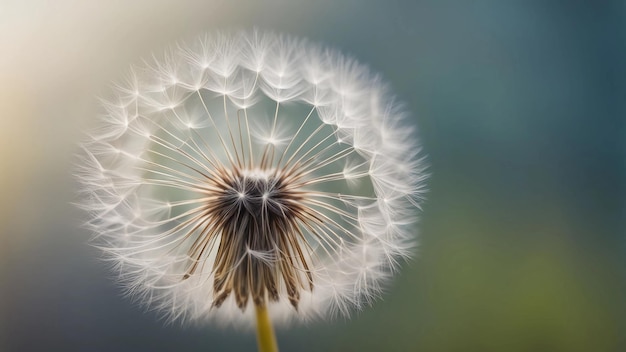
(520, 107)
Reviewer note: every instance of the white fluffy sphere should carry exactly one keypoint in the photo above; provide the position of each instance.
(252, 168)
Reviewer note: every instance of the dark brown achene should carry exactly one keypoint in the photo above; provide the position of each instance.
(258, 214)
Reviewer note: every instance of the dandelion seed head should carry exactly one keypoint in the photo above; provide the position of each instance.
(252, 169)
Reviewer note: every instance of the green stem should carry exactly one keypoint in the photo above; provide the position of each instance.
(266, 339)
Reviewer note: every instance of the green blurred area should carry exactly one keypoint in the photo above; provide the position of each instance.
(521, 111)
(476, 290)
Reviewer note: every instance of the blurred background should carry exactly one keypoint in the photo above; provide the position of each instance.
(520, 107)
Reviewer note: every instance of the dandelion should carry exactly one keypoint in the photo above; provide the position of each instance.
(252, 177)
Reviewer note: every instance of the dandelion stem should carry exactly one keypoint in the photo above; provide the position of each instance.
(266, 339)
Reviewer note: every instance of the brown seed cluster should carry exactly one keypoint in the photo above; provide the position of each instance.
(260, 217)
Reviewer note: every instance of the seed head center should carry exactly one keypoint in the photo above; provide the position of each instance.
(258, 215)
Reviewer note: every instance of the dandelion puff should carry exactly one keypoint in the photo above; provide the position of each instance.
(252, 174)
